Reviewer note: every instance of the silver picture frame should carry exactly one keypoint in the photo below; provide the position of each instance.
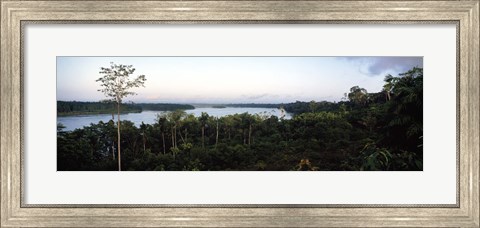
(16, 14)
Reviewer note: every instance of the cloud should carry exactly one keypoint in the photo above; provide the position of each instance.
(375, 66)
(256, 96)
(399, 64)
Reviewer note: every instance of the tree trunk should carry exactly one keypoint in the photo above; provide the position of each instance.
(175, 128)
(118, 131)
(113, 150)
(134, 147)
(144, 142)
(113, 141)
(163, 140)
(244, 137)
(173, 140)
(216, 138)
(203, 136)
(249, 134)
(181, 137)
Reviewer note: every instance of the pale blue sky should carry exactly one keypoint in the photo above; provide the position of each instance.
(233, 79)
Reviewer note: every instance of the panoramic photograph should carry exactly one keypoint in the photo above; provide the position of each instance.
(257, 113)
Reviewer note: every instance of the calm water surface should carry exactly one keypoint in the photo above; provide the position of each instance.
(148, 117)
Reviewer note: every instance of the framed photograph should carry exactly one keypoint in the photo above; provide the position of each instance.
(239, 113)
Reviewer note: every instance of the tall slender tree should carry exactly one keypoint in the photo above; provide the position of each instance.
(116, 84)
(203, 122)
(216, 137)
(390, 81)
(162, 123)
(143, 128)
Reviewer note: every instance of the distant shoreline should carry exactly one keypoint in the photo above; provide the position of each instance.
(64, 114)
(75, 108)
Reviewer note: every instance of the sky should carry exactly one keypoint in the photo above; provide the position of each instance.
(224, 80)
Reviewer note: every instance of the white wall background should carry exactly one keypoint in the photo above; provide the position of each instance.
(435, 185)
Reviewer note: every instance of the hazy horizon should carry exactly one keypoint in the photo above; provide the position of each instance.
(192, 103)
(232, 80)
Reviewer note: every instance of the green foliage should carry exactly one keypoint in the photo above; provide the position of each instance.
(116, 83)
(370, 132)
(358, 96)
(68, 108)
(65, 108)
(375, 158)
(301, 107)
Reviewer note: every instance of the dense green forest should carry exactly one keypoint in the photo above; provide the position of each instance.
(67, 108)
(364, 131)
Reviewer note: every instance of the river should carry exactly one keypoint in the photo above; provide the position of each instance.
(148, 117)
